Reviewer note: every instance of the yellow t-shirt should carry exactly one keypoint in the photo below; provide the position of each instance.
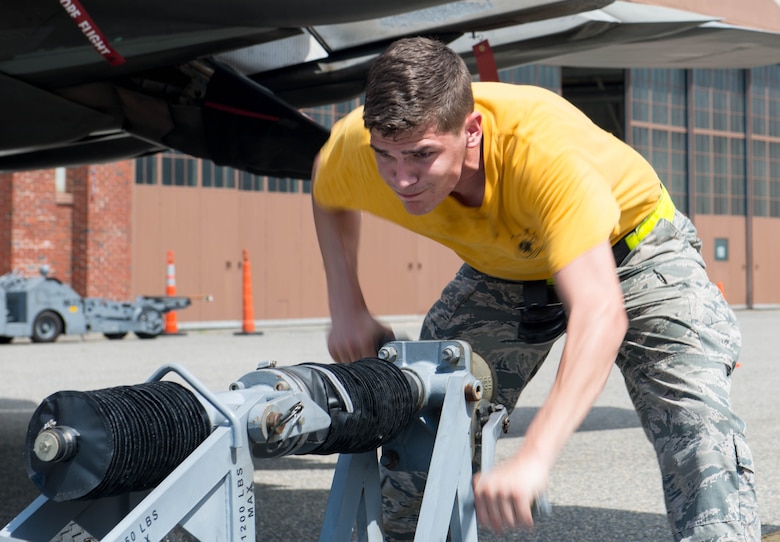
(556, 185)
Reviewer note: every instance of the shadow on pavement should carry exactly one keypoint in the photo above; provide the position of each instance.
(598, 419)
(296, 514)
(16, 489)
(295, 462)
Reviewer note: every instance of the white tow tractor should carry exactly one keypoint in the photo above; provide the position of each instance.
(43, 308)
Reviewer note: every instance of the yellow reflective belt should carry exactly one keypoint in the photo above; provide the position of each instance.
(664, 209)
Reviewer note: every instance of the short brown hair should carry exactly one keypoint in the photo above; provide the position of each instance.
(417, 82)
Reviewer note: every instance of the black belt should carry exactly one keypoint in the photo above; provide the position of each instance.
(620, 250)
(627, 243)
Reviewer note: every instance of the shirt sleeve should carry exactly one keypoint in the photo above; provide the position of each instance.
(347, 168)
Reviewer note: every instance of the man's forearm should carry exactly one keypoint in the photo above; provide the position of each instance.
(338, 234)
(596, 327)
(591, 347)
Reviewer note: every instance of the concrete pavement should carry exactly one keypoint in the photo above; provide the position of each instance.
(605, 487)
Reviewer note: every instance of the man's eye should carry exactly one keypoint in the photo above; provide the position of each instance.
(424, 154)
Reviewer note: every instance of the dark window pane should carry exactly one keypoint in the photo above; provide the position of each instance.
(167, 170)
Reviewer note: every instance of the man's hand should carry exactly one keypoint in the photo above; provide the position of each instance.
(504, 497)
(357, 336)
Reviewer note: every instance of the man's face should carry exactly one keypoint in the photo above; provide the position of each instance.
(422, 168)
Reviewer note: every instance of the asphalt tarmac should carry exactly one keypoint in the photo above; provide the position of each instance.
(605, 487)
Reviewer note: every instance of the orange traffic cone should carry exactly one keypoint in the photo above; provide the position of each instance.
(248, 325)
(171, 325)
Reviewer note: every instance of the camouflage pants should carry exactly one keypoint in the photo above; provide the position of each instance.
(682, 343)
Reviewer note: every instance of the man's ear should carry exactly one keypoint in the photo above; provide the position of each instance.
(473, 126)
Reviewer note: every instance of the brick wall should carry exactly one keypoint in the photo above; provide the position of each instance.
(6, 214)
(83, 235)
(102, 250)
(111, 249)
(35, 229)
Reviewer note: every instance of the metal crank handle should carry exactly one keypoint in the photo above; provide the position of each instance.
(495, 425)
(541, 507)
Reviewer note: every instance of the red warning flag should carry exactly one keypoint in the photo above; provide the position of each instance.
(486, 62)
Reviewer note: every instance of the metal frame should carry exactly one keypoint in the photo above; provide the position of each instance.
(211, 493)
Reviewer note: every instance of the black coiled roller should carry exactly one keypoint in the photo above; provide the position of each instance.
(88, 445)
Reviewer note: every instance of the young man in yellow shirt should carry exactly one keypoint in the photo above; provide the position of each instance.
(529, 192)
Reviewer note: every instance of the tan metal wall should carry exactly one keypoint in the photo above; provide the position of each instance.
(207, 229)
(401, 273)
(766, 261)
(731, 274)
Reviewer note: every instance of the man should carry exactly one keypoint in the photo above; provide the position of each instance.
(529, 192)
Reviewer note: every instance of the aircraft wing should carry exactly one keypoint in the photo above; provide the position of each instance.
(88, 81)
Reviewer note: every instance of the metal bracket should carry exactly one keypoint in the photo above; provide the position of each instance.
(448, 501)
(211, 495)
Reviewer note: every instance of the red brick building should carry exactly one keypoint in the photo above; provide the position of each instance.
(76, 221)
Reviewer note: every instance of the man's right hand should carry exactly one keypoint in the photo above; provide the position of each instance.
(357, 337)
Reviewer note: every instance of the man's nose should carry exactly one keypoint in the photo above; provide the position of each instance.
(404, 176)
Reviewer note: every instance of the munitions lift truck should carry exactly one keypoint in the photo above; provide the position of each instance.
(43, 308)
(159, 458)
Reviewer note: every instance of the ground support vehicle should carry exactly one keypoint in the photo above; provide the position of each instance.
(118, 464)
(43, 308)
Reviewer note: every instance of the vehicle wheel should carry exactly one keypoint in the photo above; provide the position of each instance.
(152, 323)
(115, 336)
(47, 327)
(5, 340)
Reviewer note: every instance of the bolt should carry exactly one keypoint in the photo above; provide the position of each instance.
(388, 353)
(55, 444)
(271, 423)
(505, 425)
(474, 391)
(266, 364)
(451, 354)
(282, 386)
(44, 446)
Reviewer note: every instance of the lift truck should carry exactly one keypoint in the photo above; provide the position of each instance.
(160, 461)
(43, 308)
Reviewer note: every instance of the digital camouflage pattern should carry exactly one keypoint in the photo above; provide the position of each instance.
(682, 343)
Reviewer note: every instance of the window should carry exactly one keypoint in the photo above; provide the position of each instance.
(178, 169)
(766, 178)
(214, 176)
(146, 170)
(62, 188)
(720, 174)
(548, 77)
(720, 142)
(719, 100)
(250, 182)
(659, 131)
(765, 146)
